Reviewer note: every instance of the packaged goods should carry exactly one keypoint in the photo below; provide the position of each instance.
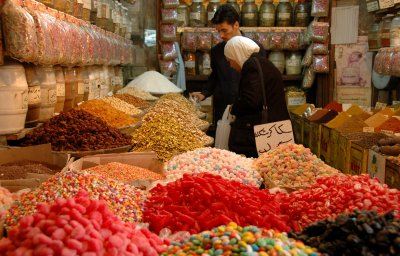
(203, 41)
(168, 32)
(277, 40)
(170, 3)
(169, 15)
(168, 51)
(167, 67)
(264, 39)
(319, 32)
(307, 59)
(320, 8)
(154, 82)
(292, 41)
(321, 63)
(309, 77)
(318, 48)
(189, 40)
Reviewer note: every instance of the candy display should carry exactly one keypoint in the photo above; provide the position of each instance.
(124, 200)
(19, 170)
(334, 195)
(355, 233)
(124, 172)
(221, 162)
(6, 200)
(78, 226)
(189, 41)
(137, 93)
(122, 106)
(168, 32)
(292, 166)
(233, 239)
(76, 130)
(203, 201)
(203, 41)
(133, 100)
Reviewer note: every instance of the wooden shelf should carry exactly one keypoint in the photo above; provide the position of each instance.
(205, 78)
(244, 29)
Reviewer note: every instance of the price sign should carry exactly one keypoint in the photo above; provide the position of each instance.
(269, 136)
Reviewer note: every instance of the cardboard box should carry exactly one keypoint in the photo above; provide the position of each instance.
(324, 150)
(298, 127)
(315, 140)
(39, 153)
(146, 160)
(343, 154)
(392, 174)
(376, 165)
(334, 148)
(358, 159)
(307, 133)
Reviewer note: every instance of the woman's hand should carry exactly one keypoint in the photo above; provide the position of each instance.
(198, 95)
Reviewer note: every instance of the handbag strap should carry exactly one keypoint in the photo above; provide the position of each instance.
(262, 82)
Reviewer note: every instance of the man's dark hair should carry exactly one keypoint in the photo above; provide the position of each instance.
(225, 12)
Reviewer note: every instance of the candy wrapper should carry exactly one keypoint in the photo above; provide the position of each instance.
(169, 15)
(319, 32)
(307, 59)
(168, 32)
(189, 40)
(318, 49)
(320, 8)
(204, 41)
(250, 35)
(169, 51)
(309, 77)
(321, 63)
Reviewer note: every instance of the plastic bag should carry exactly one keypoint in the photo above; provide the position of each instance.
(395, 63)
(386, 59)
(168, 51)
(318, 49)
(309, 77)
(224, 129)
(203, 41)
(168, 32)
(292, 41)
(319, 32)
(321, 63)
(189, 41)
(169, 15)
(167, 68)
(378, 62)
(320, 8)
(307, 59)
(277, 40)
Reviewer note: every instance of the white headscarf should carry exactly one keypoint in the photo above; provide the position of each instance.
(240, 48)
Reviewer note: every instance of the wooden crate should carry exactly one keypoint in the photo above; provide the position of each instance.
(315, 138)
(307, 133)
(325, 147)
(343, 154)
(334, 148)
(392, 174)
(298, 127)
(358, 159)
(376, 165)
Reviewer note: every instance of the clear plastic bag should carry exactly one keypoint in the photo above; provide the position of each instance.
(170, 3)
(307, 58)
(321, 63)
(395, 63)
(204, 41)
(386, 59)
(318, 49)
(216, 39)
(168, 51)
(319, 32)
(292, 41)
(189, 41)
(277, 40)
(224, 129)
(320, 8)
(168, 32)
(378, 62)
(19, 32)
(169, 15)
(264, 38)
(167, 68)
(308, 79)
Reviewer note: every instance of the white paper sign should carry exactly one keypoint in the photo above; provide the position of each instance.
(269, 136)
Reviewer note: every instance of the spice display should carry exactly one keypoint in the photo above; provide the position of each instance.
(387, 111)
(154, 82)
(249, 14)
(354, 110)
(323, 116)
(309, 78)
(318, 48)
(168, 51)
(203, 41)
(366, 233)
(292, 166)
(122, 106)
(231, 238)
(78, 226)
(137, 93)
(133, 100)
(216, 161)
(368, 140)
(20, 41)
(168, 32)
(376, 120)
(169, 15)
(318, 114)
(284, 14)
(352, 124)
(189, 41)
(124, 200)
(164, 136)
(392, 124)
(334, 195)
(301, 109)
(320, 8)
(198, 14)
(203, 201)
(364, 116)
(112, 116)
(123, 172)
(266, 15)
(76, 130)
(334, 105)
(19, 170)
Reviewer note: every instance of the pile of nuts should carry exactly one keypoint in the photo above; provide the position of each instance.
(122, 106)
(133, 100)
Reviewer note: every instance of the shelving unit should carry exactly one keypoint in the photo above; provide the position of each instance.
(205, 78)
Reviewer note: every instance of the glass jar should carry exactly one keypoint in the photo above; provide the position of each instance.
(211, 9)
(384, 30)
(293, 63)
(48, 91)
(198, 14)
(77, 9)
(205, 64)
(278, 59)
(124, 21)
(190, 63)
(87, 7)
(80, 85)
(302, 14)
(69, 6)
(33, 93)
(266, 14)
(70, 87)
(284, 14)
(60, 5)
(235, 5)
(60, 81)
(111, 22)
(373, 36)
(102, 13)
(249, 14)
(395, 31)
(93, 12)
(117, 17)
(183, 15)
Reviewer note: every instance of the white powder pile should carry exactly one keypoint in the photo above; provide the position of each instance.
(155, 83)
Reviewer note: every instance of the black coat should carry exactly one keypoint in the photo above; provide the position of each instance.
(247, 108)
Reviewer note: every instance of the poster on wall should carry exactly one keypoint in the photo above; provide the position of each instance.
(353, 72)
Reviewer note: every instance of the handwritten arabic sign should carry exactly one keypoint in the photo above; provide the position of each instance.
(269, 136)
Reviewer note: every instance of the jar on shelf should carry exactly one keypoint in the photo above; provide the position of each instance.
(395, 31)
(93, 11)
(205, 64)
(60, 5)
(293, 63)
(373, 36)
(48, 91)
(198, 14)
(249, 14)
(33, 94)
(102, 13)
(183, 15)
(278, 59)
(384, 30)
(211, 9)
(69, 6)
(190, 63)
(77, 9)
(302, 14)
(235, 5)
(87, 7)
(284, 14)
(111, 22)
(80, 85)
(70, 87)
(60, 88)
(266, 14)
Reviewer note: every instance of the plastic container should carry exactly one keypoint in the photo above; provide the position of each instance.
(278, 59)
(60, 88)
(384, 30)
(13, 98)
(284, 14)
(235, 5)
(395, 31)
(190, 63)
(33, 94)
(183, 16)
(249, 14)
(80, 86)
(48, 92)
(266, 15)
(198, 14)
(293, 63)
(373, 36)
(94, 83)
(211, 9)
(71, 87)
(302, 14)
(205, 64)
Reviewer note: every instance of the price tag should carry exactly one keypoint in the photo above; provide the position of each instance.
(372, 5)
(269, 136)
(380, 105)
(387, 132)
(369, 129)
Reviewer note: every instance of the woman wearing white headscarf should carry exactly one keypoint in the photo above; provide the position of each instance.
(241, 53)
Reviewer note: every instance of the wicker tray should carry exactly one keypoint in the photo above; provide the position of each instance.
(79, 154)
